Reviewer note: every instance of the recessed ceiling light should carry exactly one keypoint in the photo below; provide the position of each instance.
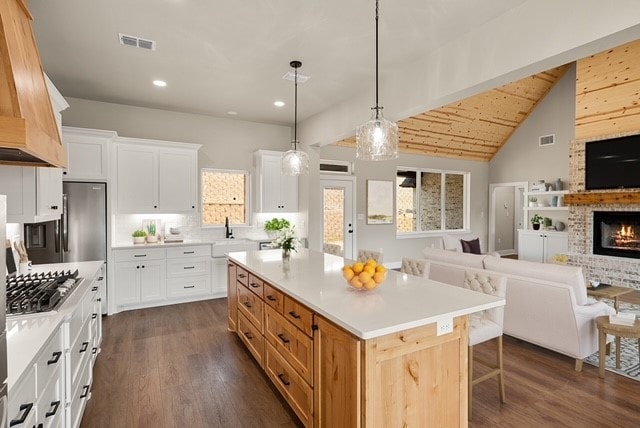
(232, 113)
(160, 83)
(278, 103)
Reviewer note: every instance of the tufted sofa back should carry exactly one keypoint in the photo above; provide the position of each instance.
(417, 267)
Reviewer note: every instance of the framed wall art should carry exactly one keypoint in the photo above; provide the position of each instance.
(379, 202)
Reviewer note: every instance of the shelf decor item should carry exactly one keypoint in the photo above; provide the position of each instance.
(533, 201)
(377, 139)
(295, 162)
(275, 225)
(535, 221)
(287, 241)
(558, 184)
(139, 236)
(151, 232)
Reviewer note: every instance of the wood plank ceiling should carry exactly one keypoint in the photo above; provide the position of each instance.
(477, 127)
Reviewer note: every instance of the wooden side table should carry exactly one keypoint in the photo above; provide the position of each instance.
(617, 330)
(611, 292)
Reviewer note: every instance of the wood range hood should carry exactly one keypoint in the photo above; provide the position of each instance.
(29, 133)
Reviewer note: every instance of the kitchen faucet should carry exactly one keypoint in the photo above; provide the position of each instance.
(228, 233)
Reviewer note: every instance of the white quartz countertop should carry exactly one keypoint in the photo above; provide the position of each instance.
(129, 245)
(26, 334)
(401, 302)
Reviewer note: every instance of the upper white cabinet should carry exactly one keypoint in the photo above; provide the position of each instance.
(88, 153)
(276, 192)
(33, 194)
(155, 176)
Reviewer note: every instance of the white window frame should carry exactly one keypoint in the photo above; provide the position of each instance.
(442, 231)
(247, 196)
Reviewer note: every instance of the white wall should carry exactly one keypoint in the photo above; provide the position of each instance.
(375, 237)
(504, 199)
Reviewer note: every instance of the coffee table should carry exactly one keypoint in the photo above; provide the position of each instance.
(609, 292)
(617, 330)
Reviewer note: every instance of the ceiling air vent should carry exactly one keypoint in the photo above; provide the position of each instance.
(137, 42)
(334, 166)
(547, 140)
(291, 77)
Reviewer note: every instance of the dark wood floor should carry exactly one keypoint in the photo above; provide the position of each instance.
(177, 366)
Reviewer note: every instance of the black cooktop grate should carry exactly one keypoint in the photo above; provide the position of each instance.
(38, 292)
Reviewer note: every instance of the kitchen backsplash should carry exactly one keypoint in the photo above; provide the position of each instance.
(125, 224)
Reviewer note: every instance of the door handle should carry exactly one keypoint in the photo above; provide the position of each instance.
(349, 231)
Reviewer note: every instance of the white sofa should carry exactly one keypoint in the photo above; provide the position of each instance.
(546, 304)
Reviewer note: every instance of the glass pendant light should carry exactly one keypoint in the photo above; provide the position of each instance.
(295, 162)
(377, 139)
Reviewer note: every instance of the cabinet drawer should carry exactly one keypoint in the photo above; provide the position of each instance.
(299, 315)
(81, 394)
(251, 337)
(273, 298)
(290, 384)
(295, 346)
(51, 403)
(191, 251)
(251, 306)
(182, 267)
(88, 304)
(256, 285)
(191, 286)
(242, 276)
(137, 255)
(79, 353)
(50, 360)
(22, 401)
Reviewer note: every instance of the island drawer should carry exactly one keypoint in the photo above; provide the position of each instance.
(50, 359)
(180, 268)
(273, 298)
(298, 315)
(137, 255)
(294, 346)
(290, 384)
(242, 275)
(191, 251)
(251, 306)
(251, 337)
(256, 285)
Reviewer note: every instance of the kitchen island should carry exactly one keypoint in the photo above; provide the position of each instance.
(393, 356)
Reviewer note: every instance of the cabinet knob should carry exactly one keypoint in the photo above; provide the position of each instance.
(155, 206)
(54, 207)
(193, 206)
(64, 172)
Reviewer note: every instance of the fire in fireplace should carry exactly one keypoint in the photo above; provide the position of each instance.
(616, 233)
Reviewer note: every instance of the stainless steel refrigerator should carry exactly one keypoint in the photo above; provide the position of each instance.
(80, 234)
(3, 326)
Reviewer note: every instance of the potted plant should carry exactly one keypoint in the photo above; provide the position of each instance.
(547, 222)
(273, 226)
(533, 201)
(151, 232)
(139, 236)
(286, 240)
(535, 221)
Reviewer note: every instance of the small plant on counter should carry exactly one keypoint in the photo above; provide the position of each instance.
(276, 224)
(535, 221)
(139, 233)
(151, 229)
(287, 240)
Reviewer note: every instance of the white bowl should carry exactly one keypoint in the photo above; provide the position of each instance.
(174, 230)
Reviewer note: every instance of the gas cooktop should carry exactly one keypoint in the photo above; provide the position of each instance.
(39, 292)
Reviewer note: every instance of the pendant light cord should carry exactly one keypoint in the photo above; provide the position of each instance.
(377, 107)
(295, 112)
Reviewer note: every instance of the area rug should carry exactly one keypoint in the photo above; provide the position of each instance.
(629, 365)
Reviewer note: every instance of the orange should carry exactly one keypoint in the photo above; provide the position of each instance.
(370, 285)
(355, 282)
(379, 277)
(371, 262)
(358, 267)
(364, 277)
(370, 269)
(381, 268)
(348, 273)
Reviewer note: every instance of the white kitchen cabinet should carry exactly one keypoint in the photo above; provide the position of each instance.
(33, 194)
(219, 276)
(276, 192)
(87, 152)
(139, 276)
(541, 245)
(155, 177)
(188, 271)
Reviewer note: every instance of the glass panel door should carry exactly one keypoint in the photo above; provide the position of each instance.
(337, 213)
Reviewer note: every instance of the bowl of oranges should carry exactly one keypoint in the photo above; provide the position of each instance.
(365, 276)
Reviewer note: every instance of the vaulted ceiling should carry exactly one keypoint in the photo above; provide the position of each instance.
(477, 127)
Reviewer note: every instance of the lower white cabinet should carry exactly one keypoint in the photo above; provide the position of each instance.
(541, 245)
(219, 276)
(159, 276)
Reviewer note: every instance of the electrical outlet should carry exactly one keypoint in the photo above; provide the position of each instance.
(444, 326)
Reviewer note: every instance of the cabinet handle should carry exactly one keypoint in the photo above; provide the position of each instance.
(94, 316)
(247, 304)
(99, 299)
(40, 425)
(271, 298)
(189, 267)
(294, 315)
(139, 255)
(189, 286)
(100, 278)
(142, 266)
(138, 267)
(283, 380)
(248, 335)
(84, 347)
(254, 284)
(94, 350)
(54, 358)
(54, 207)
(188, 252)
(94, 288)
(241, 275)
(25, 409)
(283, 338)
(230, 265)
(54, 409)
(85, 391)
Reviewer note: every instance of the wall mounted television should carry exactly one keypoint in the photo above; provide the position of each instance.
(613, 163)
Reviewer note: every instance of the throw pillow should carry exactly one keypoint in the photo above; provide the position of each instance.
(472, 246)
